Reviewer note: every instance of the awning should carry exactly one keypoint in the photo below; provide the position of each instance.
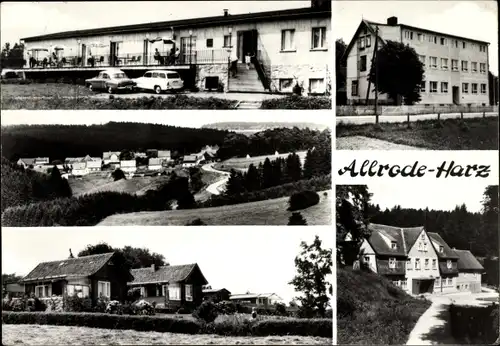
(39, 49)
(164, 39)
(58, 47)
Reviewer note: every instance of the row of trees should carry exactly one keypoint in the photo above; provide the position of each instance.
(460, 228)
(12, 56)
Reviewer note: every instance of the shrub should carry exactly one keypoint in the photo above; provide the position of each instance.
(77, 304)
(206, 312)
(280, 309)
(476, 324)
(143, 307)
(114, 307)
(18, 304)
(297, 102)
(6, 304)
(35, 304)
(321, 327)
(296, 219)
(196, 222)
(226, 307)
(302, 200)
(102, 320)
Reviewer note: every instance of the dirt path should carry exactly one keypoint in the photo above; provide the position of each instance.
(218, 187)
(366, 143)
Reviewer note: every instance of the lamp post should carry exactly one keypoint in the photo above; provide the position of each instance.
(190, 45)
(146, 50)
(79, 51)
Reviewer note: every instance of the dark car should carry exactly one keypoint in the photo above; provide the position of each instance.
(111, 80)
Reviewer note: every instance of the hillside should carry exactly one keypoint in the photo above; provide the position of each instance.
(96, 184)
(239, 126)
(371, 310)
(243, 163)
(268, 212)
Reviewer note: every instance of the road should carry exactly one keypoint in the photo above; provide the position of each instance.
(370, 119)
(219, 186)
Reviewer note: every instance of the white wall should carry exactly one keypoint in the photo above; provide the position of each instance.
(414, 253)
(370, 253)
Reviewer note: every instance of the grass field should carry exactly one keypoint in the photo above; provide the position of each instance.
(268, 212)
(27, 334)
(449, 134)
(44, 90)
(242, 163)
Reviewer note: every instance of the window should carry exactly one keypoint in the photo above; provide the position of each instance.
(444, 87)
(449, 281)
(434, 264)
(104, 289)
(465, 88)
(354, 88)
(448, 264)
(422, 59)
(482, 67)
(155, 74)
(189, 293)
(474, 88)
(362, 63)
(403, 284)
(426, 264)
(473, 66)
(433, 86)
(147, 75)
(454, 65)
(210, 42)
(394, 245)
(367, 259)
(483, 88)
(444, 41)
(420, 244)
(174, 292)
(81, 291)
(455, 43)
(287, 40)
(368, 41)
(437, 282)
(463, 44)
(286, 84)
(425, 247)
(227, 40)
(435, 39)
(422, 87)
(408, 264)
(392, 263)
(361, 43)
(482, 48)
(433, 62)
(420, 37)
(42, 291)
(465, 65)
(417, 263)
(318, 38)
(444, 63)
(441, 249)
(316, 86)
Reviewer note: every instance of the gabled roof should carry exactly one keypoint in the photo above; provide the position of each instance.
(467, 261)
(164, 274)
(404, 238)
(297, 13)
(29, 161)
(107, 155)
(212, 290)
(447, 253)
(163, 153)
(371, 27)
(190, 158)
(79, 266)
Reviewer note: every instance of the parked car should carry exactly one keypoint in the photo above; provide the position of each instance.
(160, 81)
(110, 80)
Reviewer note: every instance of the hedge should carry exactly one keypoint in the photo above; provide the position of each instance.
(478, 324)
(102, 320)
(290, 326)
(298, 102)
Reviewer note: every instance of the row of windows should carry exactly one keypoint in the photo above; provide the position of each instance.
(400, 283)
(446, 282)
(82, 291)
(443, 41)
(316, 85)
(433, 63)
(433, 88)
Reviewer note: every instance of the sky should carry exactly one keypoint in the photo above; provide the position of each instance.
(434, 195)
(240, 259)
(25, 19)
(472, 19)
(194, 119)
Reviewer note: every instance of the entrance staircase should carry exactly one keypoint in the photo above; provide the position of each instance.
(246, 80)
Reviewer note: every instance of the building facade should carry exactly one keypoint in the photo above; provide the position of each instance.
(288, 47)
(455, 68)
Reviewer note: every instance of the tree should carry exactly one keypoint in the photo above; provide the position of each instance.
(126, 155)
(296, 219)
(293, 168)
(341, 71)
(252, 178)
(10, 278)
(399, 72)
(12, 57)
(267, 173)
(118, 174)
(235, 183)
(60, 186)
(351, 219)
(489, 220)
(195, 179)
(313, 264)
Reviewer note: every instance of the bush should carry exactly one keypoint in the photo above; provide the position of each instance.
(196, 222)
(296, 219)
(321, 327)
(143, 307)
(297, 102)
(114, 307)
(206, 312)
(281, 309)
(6, 305)
(302, 200)
(133, 294)
(35, 304)
(77, 304)
(102, 320)
(226, 307)
(475, 324)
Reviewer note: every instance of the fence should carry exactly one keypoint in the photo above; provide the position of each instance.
(412, 110)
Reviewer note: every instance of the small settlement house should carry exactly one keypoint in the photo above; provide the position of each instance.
(165, 156)
(216, 295)
(87, 276)
(128, 166)
(111, 157)
(38, 162)
(256, 299)
(26, 162)
(190, 161)
(154, 164)
(170, 286)
(469, 272)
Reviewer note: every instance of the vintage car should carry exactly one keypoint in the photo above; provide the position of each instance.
(111, 80)
(160, 81)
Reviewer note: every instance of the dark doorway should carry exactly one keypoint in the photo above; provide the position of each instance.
(456, 95)
(421, 286)
(247, 43)
(112, 54)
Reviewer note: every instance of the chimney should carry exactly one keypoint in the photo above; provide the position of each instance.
(226, 12)
(392, 21)
(153, 267)
(71, 254)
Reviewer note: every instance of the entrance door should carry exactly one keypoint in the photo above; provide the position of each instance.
(145, 52)
(112, 54)
(84, 55)
(456, 95)
(247, 43)
(188, 50)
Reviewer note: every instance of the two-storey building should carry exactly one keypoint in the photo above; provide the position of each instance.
(455, 68)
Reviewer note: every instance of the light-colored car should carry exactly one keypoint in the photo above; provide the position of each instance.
(111, 80)
(160, 81)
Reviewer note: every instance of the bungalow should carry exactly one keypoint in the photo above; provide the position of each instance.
(170, 286)
(154, 164)
(87, 276)
(164, 155)
(190, 161)
(128, 166)
(216, 295)
(469, 272)
(26, 163)
(258, 300)
(79, 169)
(111, 157)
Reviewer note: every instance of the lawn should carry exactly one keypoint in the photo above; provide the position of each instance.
(44, 90)
(242, 163)
(268, 212)
(64, 335)
(449, 134)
